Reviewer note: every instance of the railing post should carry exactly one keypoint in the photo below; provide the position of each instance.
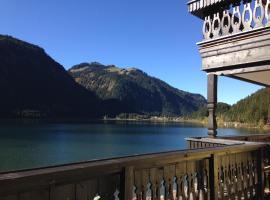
(213, 176)
(260, 168)
(52, 190)
(129, 182)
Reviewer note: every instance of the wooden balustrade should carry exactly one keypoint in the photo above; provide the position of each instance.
(203, 142)
(238, 176)
(249, 138)
(181, 180)
(233, 17)
(245, 166)
(228, 172)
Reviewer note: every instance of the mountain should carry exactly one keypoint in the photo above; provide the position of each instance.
(136, 91)
(253, 109)
(33, 84)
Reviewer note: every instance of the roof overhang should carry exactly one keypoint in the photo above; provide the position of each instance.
(258, 75)
(244, 56)
(260, 78)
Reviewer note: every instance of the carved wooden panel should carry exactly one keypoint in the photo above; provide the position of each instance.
(238, 176)
(184, 180)
(235, 18)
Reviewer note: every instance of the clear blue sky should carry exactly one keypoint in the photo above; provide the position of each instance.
(157, 36)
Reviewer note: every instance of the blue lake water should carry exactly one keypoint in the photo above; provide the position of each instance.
(31, 145)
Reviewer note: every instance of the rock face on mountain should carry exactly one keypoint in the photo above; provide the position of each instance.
(33, 84)
(137, 92)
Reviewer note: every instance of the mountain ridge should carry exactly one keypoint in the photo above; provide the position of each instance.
(32, 83)
(131, 85)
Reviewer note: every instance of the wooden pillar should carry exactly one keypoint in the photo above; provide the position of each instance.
(214, 163)
(128, 183)
(212, 104)
(261, 179)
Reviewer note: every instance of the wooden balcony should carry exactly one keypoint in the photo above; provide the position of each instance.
(235, 43)
(236, 38)
(216, 169)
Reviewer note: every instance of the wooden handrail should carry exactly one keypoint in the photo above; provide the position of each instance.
(123, 172)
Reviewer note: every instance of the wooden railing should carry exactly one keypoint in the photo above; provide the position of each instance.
(244, 165)
(249, 138)
(228, 172)
(204, 142)
(224, 18)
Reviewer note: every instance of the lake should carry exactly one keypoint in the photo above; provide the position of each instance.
(36, 144)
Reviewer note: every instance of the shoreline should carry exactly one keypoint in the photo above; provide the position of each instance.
(161, 120)
(202, 122)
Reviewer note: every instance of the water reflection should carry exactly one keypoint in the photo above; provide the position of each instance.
(28, 145)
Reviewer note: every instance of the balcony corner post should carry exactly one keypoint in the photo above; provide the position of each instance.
(212, 104)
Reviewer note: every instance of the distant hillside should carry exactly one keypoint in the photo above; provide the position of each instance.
(222, 108)
(137, 92)
(33, 84)
(252, 109)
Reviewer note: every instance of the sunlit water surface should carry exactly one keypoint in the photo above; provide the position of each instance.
(31, 145)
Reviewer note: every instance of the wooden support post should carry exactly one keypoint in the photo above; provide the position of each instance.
(260, 171)
(212, 104)
(52, 190)
(129, 182)
(213, 176)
